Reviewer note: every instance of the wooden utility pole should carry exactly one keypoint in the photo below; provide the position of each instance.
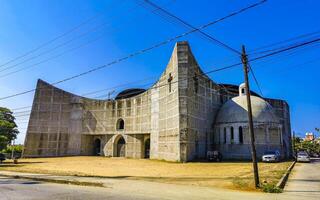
(293, 146)
(251, 131)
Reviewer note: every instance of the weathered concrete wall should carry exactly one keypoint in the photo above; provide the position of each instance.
(199, 99)
(283, 112)
(48, 131)
(65, 124)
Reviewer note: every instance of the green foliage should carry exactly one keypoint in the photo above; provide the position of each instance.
(309, 146)
(271, 188)
(8, 128)
(15, 148)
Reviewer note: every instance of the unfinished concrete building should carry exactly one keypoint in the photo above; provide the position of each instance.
(181, 117)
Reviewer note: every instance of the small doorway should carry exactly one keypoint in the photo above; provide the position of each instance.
(121, 147)
(147, 148)
(97, 147)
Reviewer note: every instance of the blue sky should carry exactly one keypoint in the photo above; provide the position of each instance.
(119, 28)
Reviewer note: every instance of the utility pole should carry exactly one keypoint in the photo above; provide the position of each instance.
(12, 150)
(251, 131)
(293, 146)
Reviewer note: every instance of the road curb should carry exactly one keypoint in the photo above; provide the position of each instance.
(52, 180)
(282, 182)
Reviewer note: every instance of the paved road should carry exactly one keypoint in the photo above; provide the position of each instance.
(304, 184)
(19, 189)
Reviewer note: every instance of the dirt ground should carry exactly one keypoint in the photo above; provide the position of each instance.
(233, 175)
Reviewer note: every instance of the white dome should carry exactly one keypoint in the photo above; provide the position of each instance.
(235, 111)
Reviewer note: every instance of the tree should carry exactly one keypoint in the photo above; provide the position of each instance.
(8, 128)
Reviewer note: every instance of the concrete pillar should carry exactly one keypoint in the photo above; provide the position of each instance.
(236, 135)
(280, 134)
(228, 135)
(221, 140)
(267, 136)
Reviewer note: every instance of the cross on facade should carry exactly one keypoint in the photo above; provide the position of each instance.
(169, 81)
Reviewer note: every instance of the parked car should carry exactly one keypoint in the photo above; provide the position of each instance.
(214, 156)
(314, 155)
(271, 156)
(303, 157)
(2, 157)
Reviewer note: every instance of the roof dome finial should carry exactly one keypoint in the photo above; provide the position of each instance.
(242, 89)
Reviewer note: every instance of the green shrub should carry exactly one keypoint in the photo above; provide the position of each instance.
(271, 188)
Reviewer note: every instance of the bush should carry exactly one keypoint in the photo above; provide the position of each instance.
(16, 148)
(271, 188)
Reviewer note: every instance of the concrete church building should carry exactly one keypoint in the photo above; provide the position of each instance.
(181, 117)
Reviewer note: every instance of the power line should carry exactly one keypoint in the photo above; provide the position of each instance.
(255, 79)
(254, 51)
(53, 57)
(211, 38)
(216, 70)
(146, 49)
(54, 39)
(20, 108)
(129, 83)
(188, 25)
(94, 29)
(286, 49)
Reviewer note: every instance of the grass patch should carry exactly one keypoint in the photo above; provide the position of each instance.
(271, 188)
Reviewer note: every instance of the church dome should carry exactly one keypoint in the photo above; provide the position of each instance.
(235, 110)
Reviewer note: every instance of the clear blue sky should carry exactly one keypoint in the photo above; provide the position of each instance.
(129, 27)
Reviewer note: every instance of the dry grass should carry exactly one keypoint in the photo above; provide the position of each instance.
(226, 174)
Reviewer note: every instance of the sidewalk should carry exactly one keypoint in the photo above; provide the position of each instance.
(304, 182)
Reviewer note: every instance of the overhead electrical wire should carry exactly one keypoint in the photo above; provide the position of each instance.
(255, 51)
(54, 39)
(94, 29)
(146, 49)
(219, 69)
(185, 23)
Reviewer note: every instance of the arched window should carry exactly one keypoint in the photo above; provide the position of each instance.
(225, 135)
(231, 135)
(240, 135)
(120, 124)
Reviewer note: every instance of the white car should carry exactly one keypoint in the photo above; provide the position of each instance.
(271, 156)
(303, 157)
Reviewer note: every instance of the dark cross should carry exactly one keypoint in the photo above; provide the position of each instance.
(196, 83)
(169, 81)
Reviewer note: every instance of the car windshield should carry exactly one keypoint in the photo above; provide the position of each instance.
(270, 152)
(302, 154)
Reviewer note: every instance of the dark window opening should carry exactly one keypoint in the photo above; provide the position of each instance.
(121, 147)
(225, 135)
(240, 135)
(97, 147)
(232, 135)
(120, 124)
(147, 149)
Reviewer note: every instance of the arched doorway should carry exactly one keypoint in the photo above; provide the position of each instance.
(121, 147)
(97, 147)
(147, 148)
